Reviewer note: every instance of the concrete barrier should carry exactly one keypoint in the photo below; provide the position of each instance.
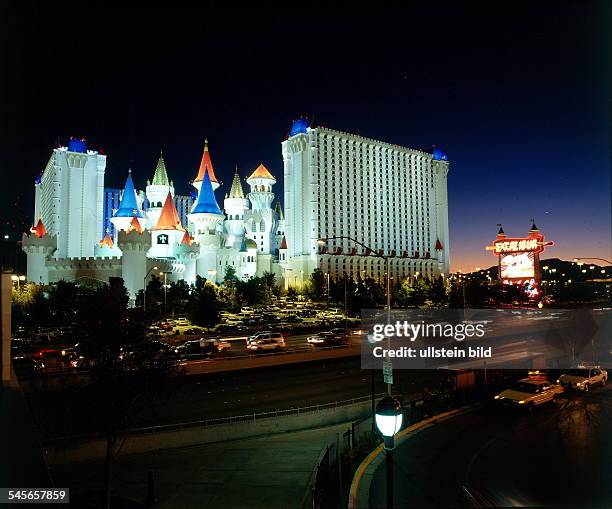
(74, 449)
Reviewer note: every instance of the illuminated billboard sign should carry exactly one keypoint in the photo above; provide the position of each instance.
(518, 245)
(517, 266)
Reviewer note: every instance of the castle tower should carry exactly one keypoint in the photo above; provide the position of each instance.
(106, 248)
(235, 205)
(69, 198)
(134, 245)
(187, 253)
(206, 167)
(128, 207)
(168, 231)
(157, 191)
(206, 217)
(38, 246)
(261, 218)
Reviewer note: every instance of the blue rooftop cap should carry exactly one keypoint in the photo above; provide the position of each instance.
(128, 207)
(438, 155)
(299, 126)
(206, 202)
(76, 145)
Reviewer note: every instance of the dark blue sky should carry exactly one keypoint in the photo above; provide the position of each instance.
(517, 96)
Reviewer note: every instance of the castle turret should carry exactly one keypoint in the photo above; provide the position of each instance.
(38, 246)
(128, 207)
(157, 191)
(134, 247)
(206, 216)
(187, 253)
(248, 258)
(106, 247)
(168, 231)
(206, 167)
(235, 205)
(260, 220)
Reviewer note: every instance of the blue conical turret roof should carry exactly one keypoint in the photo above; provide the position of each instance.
(206, 202)
(129, 205)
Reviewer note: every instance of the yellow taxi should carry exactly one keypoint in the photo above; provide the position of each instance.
(529, 393)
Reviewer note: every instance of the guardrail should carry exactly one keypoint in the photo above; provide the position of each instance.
(233, 419)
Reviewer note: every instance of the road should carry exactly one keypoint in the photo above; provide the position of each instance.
(73, 410)
(560, 455)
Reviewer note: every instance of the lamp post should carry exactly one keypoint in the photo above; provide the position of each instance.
(389, 422)
(327, 274)
(323, 241)
(165, 273)
(144, 289)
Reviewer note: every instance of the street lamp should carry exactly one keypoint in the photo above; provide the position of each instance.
(389, 422)
(322, 241)
(327, 274)
(144, 289)
(165, 273)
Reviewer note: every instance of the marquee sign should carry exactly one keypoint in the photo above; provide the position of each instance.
(519, 260)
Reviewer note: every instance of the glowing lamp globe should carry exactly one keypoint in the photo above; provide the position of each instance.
(388, 416)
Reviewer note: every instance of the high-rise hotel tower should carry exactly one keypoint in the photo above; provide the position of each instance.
(392, 199)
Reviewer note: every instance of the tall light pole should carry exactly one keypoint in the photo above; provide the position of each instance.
(165, 273)
(323, 241)
(589, 258)
(144, 289)
(327, 274)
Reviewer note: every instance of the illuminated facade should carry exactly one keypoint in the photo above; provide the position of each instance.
(390, 198)
(84, 232)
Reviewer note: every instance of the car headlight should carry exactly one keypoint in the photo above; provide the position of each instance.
(522, 402)
(497, 397)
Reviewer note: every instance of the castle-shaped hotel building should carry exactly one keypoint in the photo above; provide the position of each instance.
(390, 198)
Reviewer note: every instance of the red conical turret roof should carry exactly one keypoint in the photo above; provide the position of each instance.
(39, 230)
(135, 226)
(206, 166)
(283, 243)
(438, 245)
(187, 239)
(106, 241)
(169, 218)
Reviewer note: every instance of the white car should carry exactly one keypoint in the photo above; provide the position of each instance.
(528, 393)
(583, 379)
(273, 341)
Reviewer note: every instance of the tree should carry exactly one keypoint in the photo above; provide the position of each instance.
(438, 292)
(413, 292)
(317, 285)
(268, 282)
(178, 296)
(230, 277)
(204, 305)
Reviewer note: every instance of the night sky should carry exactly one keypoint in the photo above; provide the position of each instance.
(518, 98)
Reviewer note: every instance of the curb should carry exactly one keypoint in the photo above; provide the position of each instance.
(359, 496)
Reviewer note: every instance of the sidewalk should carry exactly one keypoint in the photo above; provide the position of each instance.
(267, 472)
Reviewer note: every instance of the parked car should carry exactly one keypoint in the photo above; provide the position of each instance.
(583, 379)
(194, 331)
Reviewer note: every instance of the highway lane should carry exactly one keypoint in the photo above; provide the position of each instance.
(560, 455)
(72, 410)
